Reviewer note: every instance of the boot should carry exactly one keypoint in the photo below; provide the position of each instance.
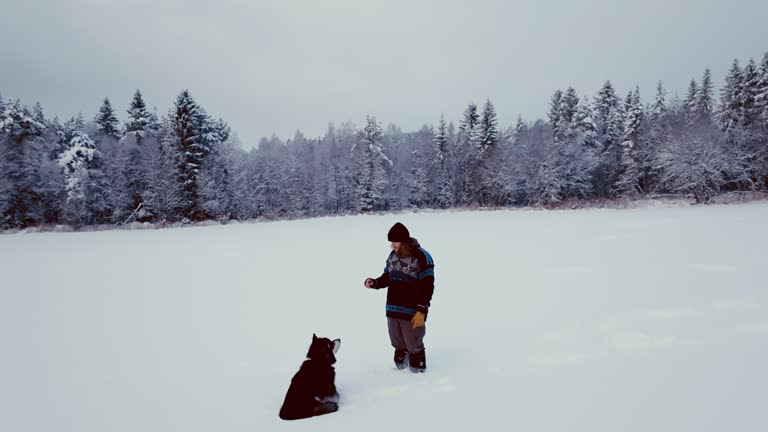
(418, 362)
(401, 358)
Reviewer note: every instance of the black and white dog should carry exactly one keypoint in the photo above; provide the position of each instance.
(312, 391)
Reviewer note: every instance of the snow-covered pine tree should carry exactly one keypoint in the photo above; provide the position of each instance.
(752, 134)
(291, 193)
(67, 132)
(465, 154)
(584, 124)
(216, 189)
(569, 105)
(656, 138)
(188, 135)
(38, 115)
(418, 187)
(155, 125)
(632, 145)
(132, 169)
(128, 166)
(703, 104)
(398, 146)
(271, 178)
(729, 111)
(514, 167)
(568, 165)
(761, 111)
(486, 190)
(545, 171)
(659, 107)
(75, 161)
(320, 175)
(372, 179)
(242, 183)
(97, 191)
(518, 130)
(562, 111)
(612, 153)
(19, 166)
(339, 187)
(609, 119)
(488, 127)
(747, 94)
(138, 116)
(164, 196)
(346, 136)
(691, 98)
(48, 180)
(606, 102)
(305, 182)
(554, 114)
(443, 184)
(761, 95)
(50, 188)
(127, 171)
(106, 120)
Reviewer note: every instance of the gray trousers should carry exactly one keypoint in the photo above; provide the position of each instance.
(404, 336)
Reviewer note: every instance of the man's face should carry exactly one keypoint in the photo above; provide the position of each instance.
(396, 246)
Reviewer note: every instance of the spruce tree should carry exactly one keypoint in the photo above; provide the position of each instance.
(106, 121)
(188, 140)
(372, 164)
(138, 116)
(19, 166)
(691, 98)
(465, 153)
(703, 104)
(747, 95)
(729, 111)
(444, 194)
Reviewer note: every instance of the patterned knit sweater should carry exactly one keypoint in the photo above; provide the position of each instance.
(411, 282)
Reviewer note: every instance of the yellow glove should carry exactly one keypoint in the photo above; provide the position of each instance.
(418, 320)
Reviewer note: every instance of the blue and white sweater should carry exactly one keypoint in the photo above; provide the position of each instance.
(411, 282)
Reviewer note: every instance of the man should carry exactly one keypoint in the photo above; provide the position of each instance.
(410, 276)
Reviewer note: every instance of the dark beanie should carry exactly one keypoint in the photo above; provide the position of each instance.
(398, 233)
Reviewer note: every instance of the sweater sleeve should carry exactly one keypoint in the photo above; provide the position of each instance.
(426, 282)
(383, 280)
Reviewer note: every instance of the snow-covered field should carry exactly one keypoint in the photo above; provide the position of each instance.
(651, 319)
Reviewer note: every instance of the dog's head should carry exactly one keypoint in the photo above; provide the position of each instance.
(323, 349)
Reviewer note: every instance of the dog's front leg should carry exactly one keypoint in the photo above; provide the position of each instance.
(332, 398)
(329, 393)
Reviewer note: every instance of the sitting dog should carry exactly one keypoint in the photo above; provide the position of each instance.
(312, 391)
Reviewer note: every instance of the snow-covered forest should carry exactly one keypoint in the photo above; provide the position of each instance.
(187, 164)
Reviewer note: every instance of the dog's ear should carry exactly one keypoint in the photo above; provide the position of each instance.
(336, 345)
(314, 337)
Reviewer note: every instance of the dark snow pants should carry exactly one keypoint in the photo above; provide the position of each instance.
(404, 336)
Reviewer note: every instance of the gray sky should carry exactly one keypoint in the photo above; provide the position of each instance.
(277, 66)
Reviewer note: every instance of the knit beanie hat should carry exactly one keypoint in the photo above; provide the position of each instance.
(398, 233)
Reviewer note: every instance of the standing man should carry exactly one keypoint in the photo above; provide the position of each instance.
(410, 276)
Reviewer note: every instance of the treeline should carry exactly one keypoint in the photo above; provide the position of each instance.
(187, 166)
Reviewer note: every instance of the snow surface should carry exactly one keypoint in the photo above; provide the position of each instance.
(650, 319)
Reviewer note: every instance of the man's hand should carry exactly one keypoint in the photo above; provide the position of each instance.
(370, 283)
(418, 320)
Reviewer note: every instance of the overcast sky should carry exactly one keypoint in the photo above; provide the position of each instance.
(277, 66)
